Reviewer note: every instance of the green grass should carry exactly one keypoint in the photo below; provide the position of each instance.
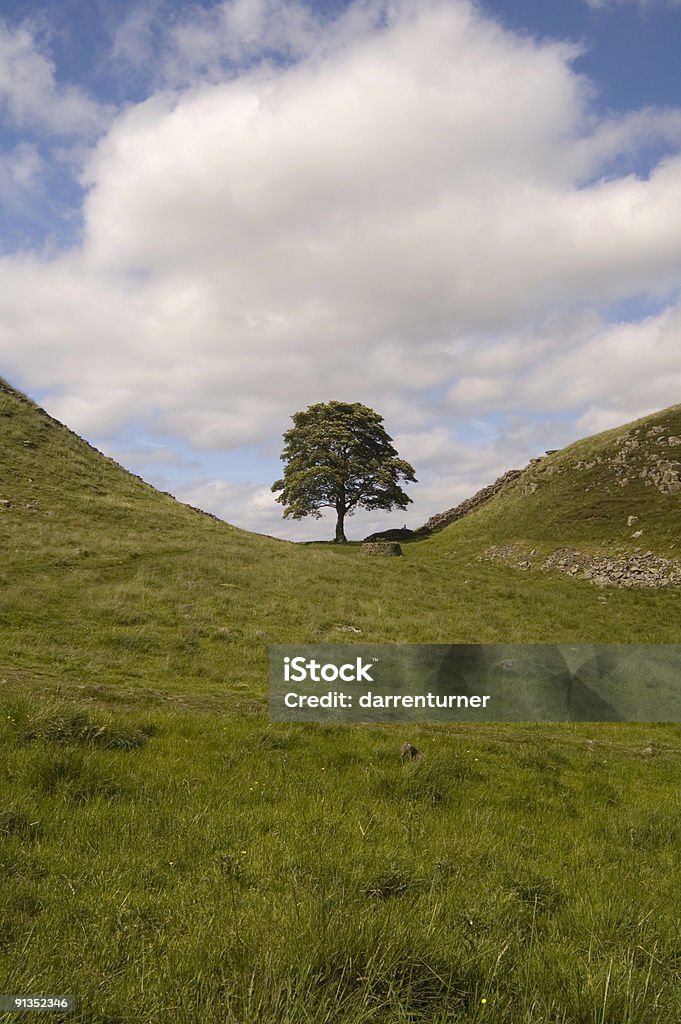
(226, 870)
(166, 854)
(105, 580)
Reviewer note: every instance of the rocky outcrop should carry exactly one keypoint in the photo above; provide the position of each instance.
(645, 454)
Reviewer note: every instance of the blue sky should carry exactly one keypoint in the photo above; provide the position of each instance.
(462, 214)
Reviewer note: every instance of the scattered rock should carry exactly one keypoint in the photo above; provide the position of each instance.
(631, 520)
(388, 547)
(637, 533)
(635, 570)
(348, 629)
(408, 752)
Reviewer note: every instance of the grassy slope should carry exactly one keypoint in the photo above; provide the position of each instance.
(587, 507)
(165, 854)
(105, 580)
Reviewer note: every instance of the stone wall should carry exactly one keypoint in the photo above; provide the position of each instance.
(442, 519)
(388, 547)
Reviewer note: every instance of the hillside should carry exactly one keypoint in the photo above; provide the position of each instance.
(107, 581)
(605, 509)
(166, 853)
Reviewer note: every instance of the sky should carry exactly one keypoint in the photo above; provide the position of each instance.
(465, 215)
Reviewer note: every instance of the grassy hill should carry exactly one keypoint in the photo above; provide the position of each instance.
(106, 580)
(167, 854)
(585, 493)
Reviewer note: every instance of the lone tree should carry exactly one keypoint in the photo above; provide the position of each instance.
(338, 455)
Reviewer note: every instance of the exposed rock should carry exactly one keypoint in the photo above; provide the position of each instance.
(408, 752)
(634, 461)
(631, 520)
(388, 547)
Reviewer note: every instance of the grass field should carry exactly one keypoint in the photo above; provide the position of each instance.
(165, 864)
(167, 854)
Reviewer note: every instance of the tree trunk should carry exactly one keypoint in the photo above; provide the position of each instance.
(340, 537)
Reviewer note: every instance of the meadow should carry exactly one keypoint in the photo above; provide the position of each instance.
(194, 865)
(166, 853)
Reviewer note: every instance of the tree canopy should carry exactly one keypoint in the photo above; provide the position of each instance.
(338, 455)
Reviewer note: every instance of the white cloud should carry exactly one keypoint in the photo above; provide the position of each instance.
(133, 39)
(627, 369)
(583, 363)
(30, 95)
(21, 170)
(216, 41)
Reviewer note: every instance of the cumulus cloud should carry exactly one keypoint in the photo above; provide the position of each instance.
(21, 170)
(31, 97)
(415, 210)
(133, 44)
